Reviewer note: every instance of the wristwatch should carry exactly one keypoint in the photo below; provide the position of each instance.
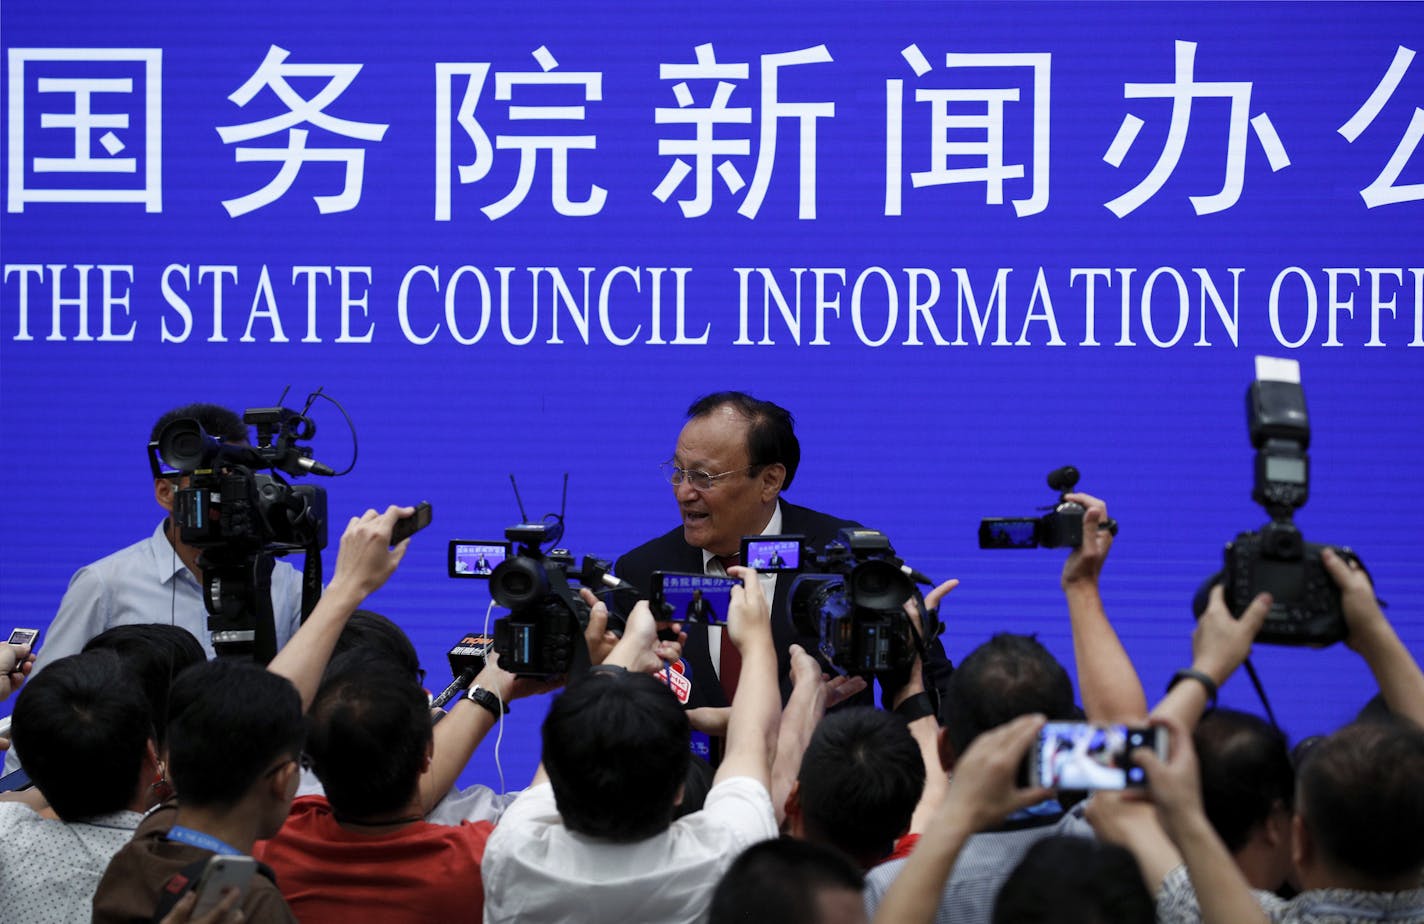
(487, 700)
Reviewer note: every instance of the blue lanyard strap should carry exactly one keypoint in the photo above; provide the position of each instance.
(204, 841)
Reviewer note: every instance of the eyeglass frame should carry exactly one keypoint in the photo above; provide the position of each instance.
(676, 476)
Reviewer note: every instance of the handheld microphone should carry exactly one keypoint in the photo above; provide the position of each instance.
(453, 691)
(467, 659)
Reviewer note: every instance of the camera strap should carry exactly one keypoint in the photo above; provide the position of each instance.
(1261, 692)
(311, 580)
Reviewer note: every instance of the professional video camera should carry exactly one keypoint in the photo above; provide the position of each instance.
(543, 633)
(239, 518)
(855, 602)
(1276, 558)
(1061, 527)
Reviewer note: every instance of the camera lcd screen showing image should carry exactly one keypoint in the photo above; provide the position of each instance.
(772, 553)
(701, 598)
(1008, 533)
(1079, 755)
(476, 558)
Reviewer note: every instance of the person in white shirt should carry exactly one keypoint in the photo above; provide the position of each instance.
(593, 838)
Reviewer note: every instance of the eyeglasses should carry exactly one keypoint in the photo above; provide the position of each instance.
(702, 481)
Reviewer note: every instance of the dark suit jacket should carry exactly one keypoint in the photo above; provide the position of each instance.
(670, 552)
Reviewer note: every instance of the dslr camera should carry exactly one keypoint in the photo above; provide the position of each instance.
(854, 604)
(1276, 558)
(1061, 527)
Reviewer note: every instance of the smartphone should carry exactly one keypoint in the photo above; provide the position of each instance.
(221, 871)
(773, 553)
(476, 558)
(22, 637)
(1085, 755)
(408, 526)
(704, 598)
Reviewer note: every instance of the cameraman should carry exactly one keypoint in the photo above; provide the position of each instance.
(158, 578)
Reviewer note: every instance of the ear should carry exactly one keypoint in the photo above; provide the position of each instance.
(429, 756)
(151, 763)
(681, 794)
(1277, 826)
(1302, 850)
(284, 782)
(772, 478)
(947, 757)
(163, 493)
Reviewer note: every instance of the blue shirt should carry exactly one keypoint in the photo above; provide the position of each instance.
(148, 582)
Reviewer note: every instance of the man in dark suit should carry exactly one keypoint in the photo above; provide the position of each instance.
(733, 459)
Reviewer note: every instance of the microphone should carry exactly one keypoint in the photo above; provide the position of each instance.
(598, 572)
(467, 659)
(916, 576)
(453, 691)
(294, 463)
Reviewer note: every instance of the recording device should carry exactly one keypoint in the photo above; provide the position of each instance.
(23, 637)
(543, 633)
(1061, 527)
(772, 554)
(692, 598)
(853, 601)
(1087, 756)
(1276, 558)
(476, 558)
(221, 872)
(239, 518)
(467, 659)
(408, 526)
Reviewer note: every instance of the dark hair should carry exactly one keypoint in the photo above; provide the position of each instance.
(227, 722)
(616, 751)
(861, 776)
(216, 421)
(367, 735)
(377, 634)
(771, 430)
(777, 882)
(695, 787)
(1245, 772)
(155, 653)
(82, 726)
(1361, 798)
(1004, 678)
(1075, 880)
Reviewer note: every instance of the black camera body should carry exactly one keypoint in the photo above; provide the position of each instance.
(1060, 528)
(1276, 558)
(239, 516)
(543, 633)
(855, 605)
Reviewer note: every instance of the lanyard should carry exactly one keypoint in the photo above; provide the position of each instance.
(203, 841)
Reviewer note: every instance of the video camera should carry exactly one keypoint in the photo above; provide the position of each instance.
(853, 600)
(239, 518)
(1061, 527)
(1276, 558)
(543, 634)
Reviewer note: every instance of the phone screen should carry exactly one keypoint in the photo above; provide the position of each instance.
(476, 558)
(21, 637)
(772, 553)
(692, 597)
(1081, 755)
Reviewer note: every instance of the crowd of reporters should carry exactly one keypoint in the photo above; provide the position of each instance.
(148, 760)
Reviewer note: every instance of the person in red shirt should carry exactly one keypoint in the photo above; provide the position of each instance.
(364, 851)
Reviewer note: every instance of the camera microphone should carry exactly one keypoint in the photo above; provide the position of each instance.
(916, 576)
